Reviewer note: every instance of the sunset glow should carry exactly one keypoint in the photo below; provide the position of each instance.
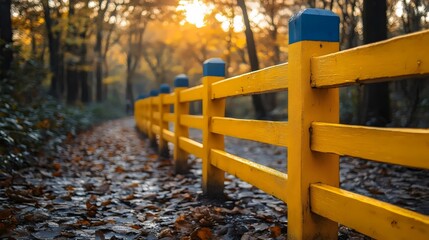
(194, 11)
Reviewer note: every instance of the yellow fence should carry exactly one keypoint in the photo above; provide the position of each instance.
(313, 136)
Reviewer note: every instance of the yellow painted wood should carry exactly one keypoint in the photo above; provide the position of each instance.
(191, 94)
(265, 80)
(192, 121)
(152, 107)
(155, 129)
(180, 156)
(275, 133)
(168, 117)
(191, 146)
(396, 58)
(169, 98)
(267, 179)
(155, 100)
(305, 167)
(156, 116)
(168, 135)
(163, 109)
(407, 147)
(372, 217)
(213, 177)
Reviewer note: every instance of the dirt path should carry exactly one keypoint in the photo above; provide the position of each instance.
(108, 184)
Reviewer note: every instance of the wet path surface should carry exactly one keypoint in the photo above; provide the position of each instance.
(108, 184)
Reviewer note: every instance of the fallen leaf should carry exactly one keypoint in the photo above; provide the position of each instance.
(119, 169)
(275, 231)
(107, 202)
(83, 222)
(181, 219)
(129, 197)
(136, 227)
(57, 166)
(202, 234)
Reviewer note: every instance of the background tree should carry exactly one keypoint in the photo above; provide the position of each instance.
(376, 96)
(6, 41)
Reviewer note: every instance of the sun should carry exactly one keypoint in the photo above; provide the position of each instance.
(194, 11)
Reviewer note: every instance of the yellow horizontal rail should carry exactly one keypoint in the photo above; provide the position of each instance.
(168, 135)
(265, 80)
(395, 58)
(191, 146)
(191, 94)
(407, 147)
(155, 100)
(168, 117)
(275, 133)
(156, 116)
(192, 121)
(169, 99)
(374, 218)
(155, 129)
(267, 179)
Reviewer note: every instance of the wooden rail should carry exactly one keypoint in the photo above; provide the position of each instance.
(314, 138)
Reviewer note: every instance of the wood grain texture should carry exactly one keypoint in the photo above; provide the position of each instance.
(270, 132)
(265, 80)
(396, 58)
(372, 217)
(407, 147)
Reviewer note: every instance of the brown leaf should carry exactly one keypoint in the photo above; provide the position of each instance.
(37, 191)
(136, 227)
(181, 219)
(69, 188)
(57, 166)
(165, 233)
(202, 234)
(6, 214)
(107, 202)
(119, 169)
(83, 222)
(57, 174)
(129, 197)
(275, 231)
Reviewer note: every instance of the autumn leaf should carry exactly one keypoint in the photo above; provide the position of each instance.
(106, 203)
(119, 169)
(202, 234)
(275, 231)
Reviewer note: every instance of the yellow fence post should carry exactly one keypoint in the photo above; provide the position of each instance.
(181, 82)
(137, 114)
(213, 178)
(312, 32)
(152, 135)
(164, 89)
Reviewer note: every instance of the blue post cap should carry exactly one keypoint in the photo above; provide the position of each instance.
(214, 67)
(164, 88)
(181, 80)
(314, 25)
(154, 92)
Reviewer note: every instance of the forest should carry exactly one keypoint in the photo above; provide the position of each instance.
(67, 65)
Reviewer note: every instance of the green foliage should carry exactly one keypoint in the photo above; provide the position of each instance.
(32, 124)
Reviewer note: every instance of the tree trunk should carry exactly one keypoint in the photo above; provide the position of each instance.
(54, 58)
(258, 105)
(376, 96)
(98, 69)
(5, 37)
